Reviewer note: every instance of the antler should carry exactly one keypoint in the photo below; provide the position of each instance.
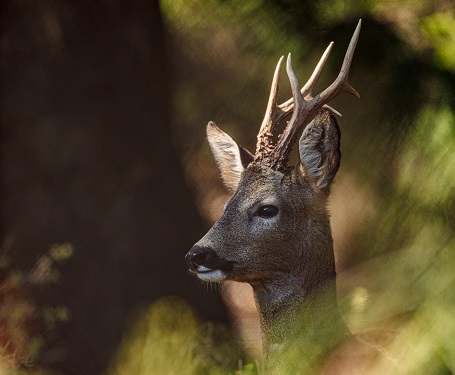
(265, 142)
(303, 105)
(307, 89)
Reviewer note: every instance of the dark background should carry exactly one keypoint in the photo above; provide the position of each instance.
(88, 159)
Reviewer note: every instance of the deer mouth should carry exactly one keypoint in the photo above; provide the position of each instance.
(207, 265)
(209, 275)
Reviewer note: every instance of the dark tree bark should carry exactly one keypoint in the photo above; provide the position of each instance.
(88, 159)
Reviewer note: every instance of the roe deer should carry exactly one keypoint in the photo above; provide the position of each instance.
(275, 232)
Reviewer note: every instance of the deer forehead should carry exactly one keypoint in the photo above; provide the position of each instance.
(261, 185)
(258, 183)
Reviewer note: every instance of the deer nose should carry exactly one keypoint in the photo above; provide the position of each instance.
(198, 257)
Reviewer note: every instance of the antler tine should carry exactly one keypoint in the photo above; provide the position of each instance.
(308, 87)
(300, 105)
(305, 108)
(268, 126)
(341, 83)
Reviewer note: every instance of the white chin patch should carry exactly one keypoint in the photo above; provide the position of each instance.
(212, 276)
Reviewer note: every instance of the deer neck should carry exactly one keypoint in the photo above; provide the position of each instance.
(301, 305)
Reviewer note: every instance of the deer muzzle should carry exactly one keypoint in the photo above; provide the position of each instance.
(207, 265)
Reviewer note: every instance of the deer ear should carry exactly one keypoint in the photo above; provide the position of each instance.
(230, 158)
(319, 149)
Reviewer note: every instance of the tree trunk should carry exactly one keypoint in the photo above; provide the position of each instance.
(88, 159)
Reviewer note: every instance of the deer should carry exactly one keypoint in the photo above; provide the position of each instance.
(275, 231)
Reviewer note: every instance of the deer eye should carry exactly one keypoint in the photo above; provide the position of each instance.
(267, 211)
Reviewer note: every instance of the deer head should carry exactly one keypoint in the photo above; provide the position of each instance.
(275, 231)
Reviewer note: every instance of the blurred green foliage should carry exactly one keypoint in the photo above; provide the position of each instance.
(439, 28)
(167, 338)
